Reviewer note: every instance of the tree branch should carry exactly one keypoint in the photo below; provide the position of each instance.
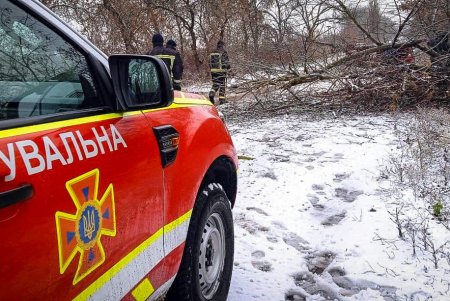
(350, 15)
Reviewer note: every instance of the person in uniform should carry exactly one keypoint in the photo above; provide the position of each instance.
(171, 44)
(171, 58)
(219, 65)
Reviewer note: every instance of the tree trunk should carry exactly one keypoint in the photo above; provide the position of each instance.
(124, 32)
(194, 49)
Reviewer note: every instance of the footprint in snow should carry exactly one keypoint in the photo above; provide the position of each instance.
(420, 295)
(339, 156)
(257, 210)
(336, 272)
(258, 254)
(307, 281)
(351, 287)
(279, 225)
(304, 279)
(295, 295)
(334, 219)
(280, 158)
(262, 265)
(317, 187)
(314, 200)
(251, 226)
(309, 160)
(317, 262)
(300, 138)
(269, 174)
(347, 286)
(347, 196)
(272, 239)
(295, 241)
(319, 154)
(339, 177)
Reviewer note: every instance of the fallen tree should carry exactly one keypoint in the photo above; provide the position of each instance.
(380, 76)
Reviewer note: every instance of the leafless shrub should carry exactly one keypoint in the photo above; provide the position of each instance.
(419, 175)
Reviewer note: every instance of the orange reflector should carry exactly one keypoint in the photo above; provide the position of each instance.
(175, 141)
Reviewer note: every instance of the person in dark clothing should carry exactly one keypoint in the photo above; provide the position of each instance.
(171, 58)
(171, 44)
(219, 65)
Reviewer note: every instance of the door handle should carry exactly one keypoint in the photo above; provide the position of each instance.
(16, 195)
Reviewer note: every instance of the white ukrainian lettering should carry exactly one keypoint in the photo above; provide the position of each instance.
(10, 162)
(117, 138)
(52, 153)
(102, 139)
(30, 153)
(85, 144)
(64, 137)
(35, 162)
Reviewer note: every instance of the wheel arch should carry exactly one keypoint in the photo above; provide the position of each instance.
(223, 172)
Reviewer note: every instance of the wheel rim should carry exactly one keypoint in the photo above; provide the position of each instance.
(212, 256)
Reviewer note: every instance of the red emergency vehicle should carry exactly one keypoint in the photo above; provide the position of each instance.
(112, 187)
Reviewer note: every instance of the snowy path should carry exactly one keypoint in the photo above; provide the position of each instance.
(309, 210)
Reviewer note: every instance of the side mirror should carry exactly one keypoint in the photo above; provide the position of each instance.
(140, 81)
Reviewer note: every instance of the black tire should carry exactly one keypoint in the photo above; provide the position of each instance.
(211, 206)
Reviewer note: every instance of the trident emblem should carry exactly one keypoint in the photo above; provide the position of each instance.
(89, 224)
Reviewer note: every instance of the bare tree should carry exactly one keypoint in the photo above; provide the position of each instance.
(185, 12)
(313, 26)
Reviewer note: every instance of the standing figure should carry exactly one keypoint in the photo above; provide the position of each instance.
(219, 65)
(171, 44)
(171, 58)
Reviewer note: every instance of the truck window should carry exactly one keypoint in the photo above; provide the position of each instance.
(40, 73)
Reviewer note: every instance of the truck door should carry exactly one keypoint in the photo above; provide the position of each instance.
(81, 199)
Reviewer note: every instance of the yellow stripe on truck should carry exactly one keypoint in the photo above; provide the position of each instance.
(56, 125)
(192, 101)
(103, 279)
(176, 223)
(178, 103)
(114, 270)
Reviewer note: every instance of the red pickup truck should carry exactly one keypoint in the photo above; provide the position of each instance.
(112, 186)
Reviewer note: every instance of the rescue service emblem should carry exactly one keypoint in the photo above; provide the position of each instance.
(81, 232)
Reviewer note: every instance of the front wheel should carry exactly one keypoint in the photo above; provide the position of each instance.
(207, 264)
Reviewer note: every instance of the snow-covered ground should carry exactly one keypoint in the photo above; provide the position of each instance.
(311, 217)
